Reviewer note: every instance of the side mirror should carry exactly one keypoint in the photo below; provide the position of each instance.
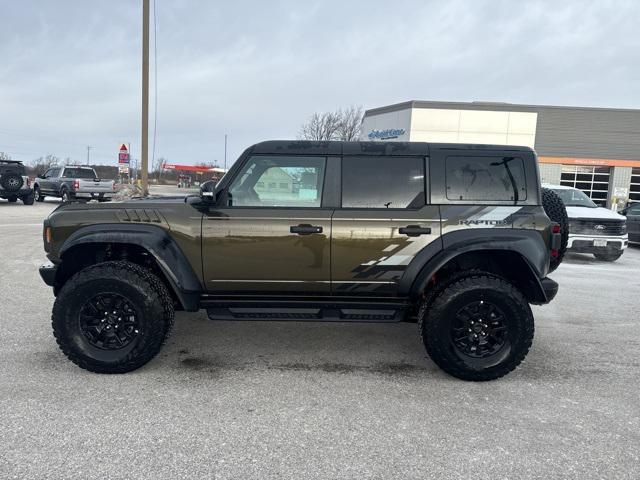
(208, 191)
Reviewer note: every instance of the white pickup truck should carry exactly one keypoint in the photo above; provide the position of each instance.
(592, 229)
(72, 182)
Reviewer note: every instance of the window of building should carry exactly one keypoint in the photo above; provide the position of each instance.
(593, 181)
(634, 188)
(383, 182)
(485, 178)
(269, 181)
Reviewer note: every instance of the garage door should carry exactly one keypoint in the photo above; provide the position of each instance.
(594, 181)
(634, 190)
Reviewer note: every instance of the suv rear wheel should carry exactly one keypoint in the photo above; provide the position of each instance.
(112, 317)
(557, 212)
(38, 194)
(478, 327)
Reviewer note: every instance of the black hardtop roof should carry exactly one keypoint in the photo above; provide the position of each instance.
(11, 161)
(309, 147)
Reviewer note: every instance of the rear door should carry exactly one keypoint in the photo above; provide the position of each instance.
(270, 233)
(383, 222)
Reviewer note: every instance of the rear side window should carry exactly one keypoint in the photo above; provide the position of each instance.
(383, 182)
(485, 178)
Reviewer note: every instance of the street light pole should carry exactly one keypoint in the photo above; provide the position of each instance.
(145, 98)
(88, 159)
(225, 151)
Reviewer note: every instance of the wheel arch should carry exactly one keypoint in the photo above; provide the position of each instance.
(148, 245)
(519, 256)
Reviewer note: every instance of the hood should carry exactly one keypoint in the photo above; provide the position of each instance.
(598, 213)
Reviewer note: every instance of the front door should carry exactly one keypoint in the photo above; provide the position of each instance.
(271, 233)
(383, 224)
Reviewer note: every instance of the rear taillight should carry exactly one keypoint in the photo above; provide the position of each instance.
(28, 182)
(555, 240)
(555, 228)
(76, 184)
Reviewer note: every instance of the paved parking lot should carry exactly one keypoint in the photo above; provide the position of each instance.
(291, 400)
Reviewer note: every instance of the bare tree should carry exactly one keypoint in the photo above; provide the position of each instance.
(156, 168)
(338, 125)
(350, 123)
(5, 156)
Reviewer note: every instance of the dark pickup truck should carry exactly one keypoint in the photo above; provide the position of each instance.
(71, 183)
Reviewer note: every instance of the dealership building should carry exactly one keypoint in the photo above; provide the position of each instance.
(594, 149)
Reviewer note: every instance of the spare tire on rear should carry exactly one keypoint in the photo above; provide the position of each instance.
(11, 181)
(557, 212)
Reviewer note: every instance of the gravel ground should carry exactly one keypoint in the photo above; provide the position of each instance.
(295, 400)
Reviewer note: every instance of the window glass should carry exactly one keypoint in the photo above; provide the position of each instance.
(485, 178)
(272, 181)
(383, 182)
(52, 173)
(71, 172)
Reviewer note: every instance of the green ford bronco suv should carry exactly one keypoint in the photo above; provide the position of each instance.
(454, 237)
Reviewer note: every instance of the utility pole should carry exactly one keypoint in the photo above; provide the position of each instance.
(225, 151)
(89, 147)
(145, 98)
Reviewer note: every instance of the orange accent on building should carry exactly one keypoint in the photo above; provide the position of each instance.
(607, 162)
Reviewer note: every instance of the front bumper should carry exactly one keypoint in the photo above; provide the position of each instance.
(596, 243)
(48, 272)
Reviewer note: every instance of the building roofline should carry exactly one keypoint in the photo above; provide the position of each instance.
(476, 105)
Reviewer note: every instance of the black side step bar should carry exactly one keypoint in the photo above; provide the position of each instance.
(296, 310)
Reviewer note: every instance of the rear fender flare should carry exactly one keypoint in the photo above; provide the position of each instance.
(529, 244)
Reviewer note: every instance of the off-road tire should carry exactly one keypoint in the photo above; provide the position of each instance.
(38, 194)
(608, 257)
(11, 181)
(436, 316)
(12, 199)
(28, 199)
(555, 209)
(136, 284)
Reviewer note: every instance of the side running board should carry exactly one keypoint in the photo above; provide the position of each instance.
(289, 311)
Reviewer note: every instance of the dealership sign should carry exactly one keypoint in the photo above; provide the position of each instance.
(386, 134)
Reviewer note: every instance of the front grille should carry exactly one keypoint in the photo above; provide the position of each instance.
(597, 227)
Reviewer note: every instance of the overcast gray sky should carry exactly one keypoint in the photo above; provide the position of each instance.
(70, 70)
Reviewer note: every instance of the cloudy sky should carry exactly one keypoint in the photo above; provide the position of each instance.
(70, 69)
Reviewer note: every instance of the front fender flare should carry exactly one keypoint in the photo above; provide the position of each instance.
(157, 242)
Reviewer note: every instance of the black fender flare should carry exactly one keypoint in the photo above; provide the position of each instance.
(166, 252)
(529, 244)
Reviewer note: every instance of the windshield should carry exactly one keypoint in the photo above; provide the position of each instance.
(573, 197)
(79, 173)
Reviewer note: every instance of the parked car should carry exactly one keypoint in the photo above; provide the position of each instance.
(592, 229)
(419, 247)
(14, 183)
(632, 212)
(73, 182)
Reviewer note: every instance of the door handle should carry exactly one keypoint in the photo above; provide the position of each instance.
(305, 229)
(414, 230)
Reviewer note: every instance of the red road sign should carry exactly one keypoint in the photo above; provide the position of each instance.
(123, 148)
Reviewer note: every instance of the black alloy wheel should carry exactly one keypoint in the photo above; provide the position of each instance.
(109, 321)
(479, 330)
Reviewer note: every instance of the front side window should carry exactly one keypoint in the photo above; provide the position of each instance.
(383, 182)
(485, 178)
(279, 181)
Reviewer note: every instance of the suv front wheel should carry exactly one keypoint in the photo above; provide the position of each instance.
(112, 317)
(478, 327)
